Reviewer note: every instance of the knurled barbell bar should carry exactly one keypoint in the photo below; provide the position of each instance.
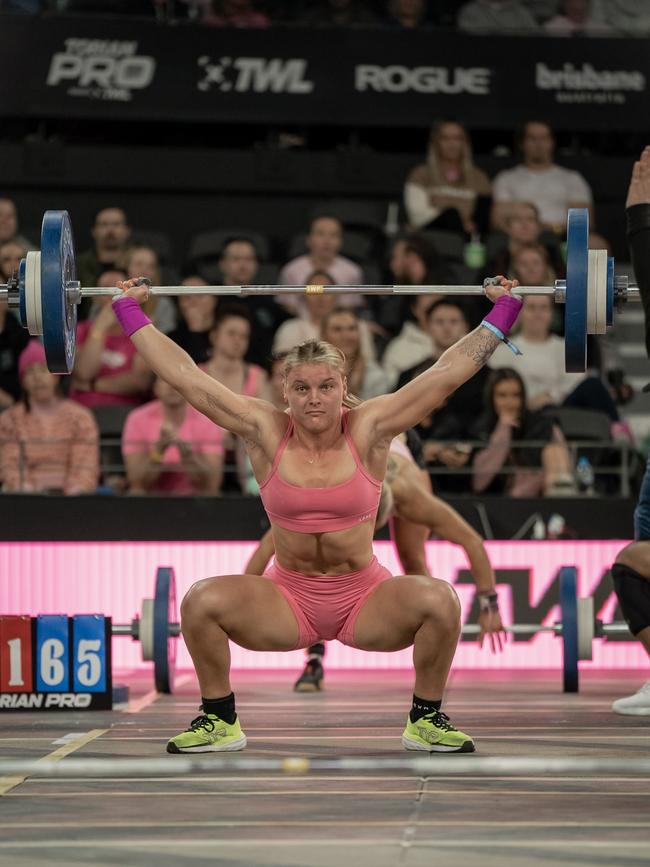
(157, 627)
(45, 291)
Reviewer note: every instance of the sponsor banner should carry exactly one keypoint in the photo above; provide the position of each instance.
(113, 578)
(140, 71)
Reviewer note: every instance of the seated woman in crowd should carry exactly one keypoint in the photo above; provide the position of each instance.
(542, 363)
(195, 321)
(308, 323)
(448, 191)
(342, 328)
(171, 448)
(47, 443)
(142, 261)
(523, 229)
(506, 420)
(230, 338)
(107, 370)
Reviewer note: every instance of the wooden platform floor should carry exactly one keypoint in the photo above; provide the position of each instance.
(329, 820)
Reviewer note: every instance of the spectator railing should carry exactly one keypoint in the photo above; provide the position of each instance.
(608, 459)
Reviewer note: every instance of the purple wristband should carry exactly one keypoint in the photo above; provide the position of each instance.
(129, 315)
(504, 313)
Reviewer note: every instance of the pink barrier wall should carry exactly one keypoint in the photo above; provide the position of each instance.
(112, 578)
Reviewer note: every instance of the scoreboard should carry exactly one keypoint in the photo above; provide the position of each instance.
(55, 662)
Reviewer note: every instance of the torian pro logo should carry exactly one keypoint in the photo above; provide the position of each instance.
(101, 69)
(254, 75)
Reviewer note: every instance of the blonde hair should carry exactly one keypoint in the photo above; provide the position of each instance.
(467, 160)
(319, 352)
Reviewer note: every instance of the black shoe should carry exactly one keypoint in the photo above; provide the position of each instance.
(312, 677)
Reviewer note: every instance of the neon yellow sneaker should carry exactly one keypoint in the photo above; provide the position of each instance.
(433, 733)
(208, 733)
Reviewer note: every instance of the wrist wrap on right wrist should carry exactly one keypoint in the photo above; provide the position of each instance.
(130, 315)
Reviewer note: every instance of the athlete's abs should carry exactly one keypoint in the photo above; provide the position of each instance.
(335, 553)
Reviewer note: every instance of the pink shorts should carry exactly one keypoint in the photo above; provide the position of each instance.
(327, 606)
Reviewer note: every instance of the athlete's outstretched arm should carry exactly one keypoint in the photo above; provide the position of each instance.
(405, 408)
(235, 412)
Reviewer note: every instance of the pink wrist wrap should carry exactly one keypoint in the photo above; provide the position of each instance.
(130, 316)
(504, 313)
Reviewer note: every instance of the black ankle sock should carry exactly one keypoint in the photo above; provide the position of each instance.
(422, 706)
(224, 707)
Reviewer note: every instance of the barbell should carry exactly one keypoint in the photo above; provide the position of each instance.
(156, 628)
(45, 291)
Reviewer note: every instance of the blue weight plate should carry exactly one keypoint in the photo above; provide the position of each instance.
(610, 292)
(164, 613)
(575, 308)
(58, 266)
(22, 312)
(569, 613)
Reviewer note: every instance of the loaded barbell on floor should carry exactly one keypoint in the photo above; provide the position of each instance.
(157, 628)
(45, 291)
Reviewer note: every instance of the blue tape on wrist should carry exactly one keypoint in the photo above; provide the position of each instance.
(493, 328)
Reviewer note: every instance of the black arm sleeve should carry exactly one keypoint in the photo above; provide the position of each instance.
(638, 236)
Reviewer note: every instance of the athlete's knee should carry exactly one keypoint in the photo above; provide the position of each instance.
(632, 588)
(205, 598)
(442, 604)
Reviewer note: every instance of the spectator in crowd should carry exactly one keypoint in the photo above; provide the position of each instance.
(142, 261)
(239, 265)
(407, 14)
(538, 179)
(413, 344)
(338, 13)
(11, 252)
(506, 420)
(627, 17)
(13, 339)
(324, 241)
(107, 371)
(171, 448)
(532, 266)
(523, 229)
(110, 233)
(577, 18)
(9, 229)
(448, 191)
(230, 337)
(195, 321)
(308, 325)
(47, 443)
(496, 17)
(445, 432)
(542, 364)
(235, 13)
(342, 328)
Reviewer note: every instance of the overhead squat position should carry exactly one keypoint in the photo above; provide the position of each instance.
(413, 513)
(320, 468)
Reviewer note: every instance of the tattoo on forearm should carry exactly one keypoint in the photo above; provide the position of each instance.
(479, 345)
(218, 406)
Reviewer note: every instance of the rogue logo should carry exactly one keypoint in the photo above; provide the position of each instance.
(101, 69)
(423, 79)
(255, 74)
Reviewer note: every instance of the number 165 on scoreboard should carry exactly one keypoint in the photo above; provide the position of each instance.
(55, 662)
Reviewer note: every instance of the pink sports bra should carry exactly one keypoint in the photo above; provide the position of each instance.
(320, 510)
